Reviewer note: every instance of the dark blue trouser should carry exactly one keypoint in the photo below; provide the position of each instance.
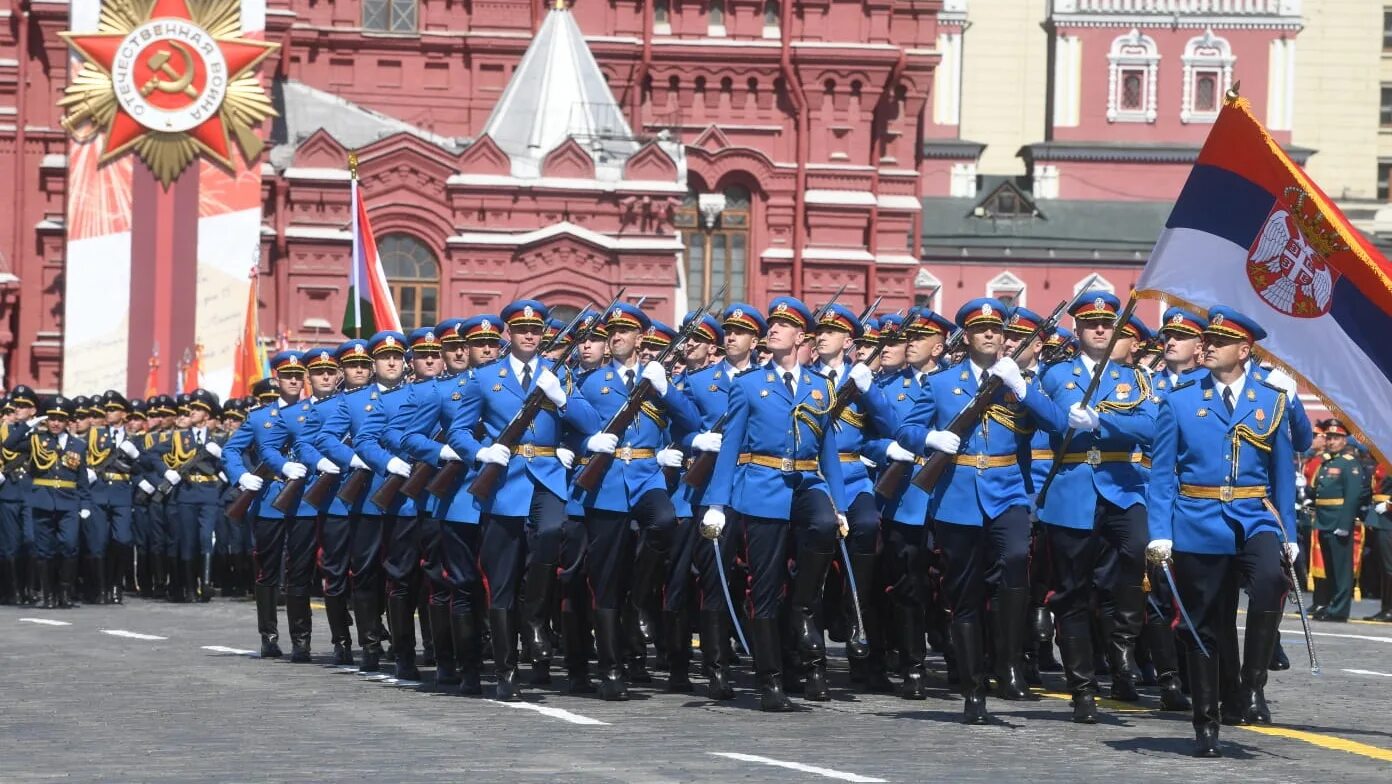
(459, 554)
(335, 537)
(812, 526)
(55, 533)
(970, 552)
(11, 528)
(507, 542)
(612, 545)
(196, 522)
(288, 542)
(1118, 536)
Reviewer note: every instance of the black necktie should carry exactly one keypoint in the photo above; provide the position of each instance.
(788, 381)
(831, 374)
(526, 377)
(628, 379)
(923, 379)
(1228, 399)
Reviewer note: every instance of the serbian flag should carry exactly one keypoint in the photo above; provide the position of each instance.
(370, 307)
(1250, 230)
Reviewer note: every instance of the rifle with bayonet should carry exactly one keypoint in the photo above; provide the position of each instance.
(593, 472)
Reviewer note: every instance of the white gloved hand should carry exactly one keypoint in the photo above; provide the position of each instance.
(1300, 482)
(843, 526)
(293, 470)
(670, 458)
(1084, 420)
(2, 478)
(943, 441)
(447, 454)
(172, 477)
(1292, 551)
(1381, 507)
(1282, 380)
(213, 448)
(83, 514)
(656, 374)
(1159, 550)
(399, 467)
(150, 489)
(1340, 532)
(251, 483)
(356, 462)
(1006, 370)
(862, 376)
(91, 477)
(566, 457)
(35, 421)
(497, 454)
(867, 462)
(713, 522)
(327, 466)
(129, 449)
(896, 452)
(547, 382)
(604, 443)
(707, 441)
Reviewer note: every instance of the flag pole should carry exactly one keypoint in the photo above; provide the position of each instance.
(357, 248)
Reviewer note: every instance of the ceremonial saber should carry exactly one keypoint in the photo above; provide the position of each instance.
(1315, 668)
(729, 603)
(1174, 591)
(858, 648)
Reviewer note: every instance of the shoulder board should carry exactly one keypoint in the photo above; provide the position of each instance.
(1192, 370)
(1269, 385)
(1183, 384)
(747, 371)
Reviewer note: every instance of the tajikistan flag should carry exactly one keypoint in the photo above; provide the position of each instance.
(1252, 231)
(370, 308)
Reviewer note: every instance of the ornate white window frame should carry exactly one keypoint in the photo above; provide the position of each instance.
(1206, 53)
(1093, 281)
(1129, 52)
(1007, 283)
(927, 285)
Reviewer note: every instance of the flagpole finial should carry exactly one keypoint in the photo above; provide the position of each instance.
(353, 165)
(1234, 92)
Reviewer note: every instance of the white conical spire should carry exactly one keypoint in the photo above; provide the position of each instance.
(556, 93)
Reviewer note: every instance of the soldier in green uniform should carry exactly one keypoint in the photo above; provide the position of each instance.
(1337, 493)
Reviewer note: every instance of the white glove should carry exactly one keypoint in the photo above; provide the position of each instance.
(896, 452)
(1292, 551)
(1381, 507)
(150, 489)
(566, 457)
(356, 462)
(2, 479)
(251, 483)
(1282, 380)
(843, 526)
(448, 454)
(172, 477)
(943, 441)
(656, 374)
(83, 514)
(1084, 420)
(604, 443)
(399, 467)
(129, 449)
(1300, 481)
(867, 462)
(547, 382)
(713, 522)
(293, 470)
(670, 458)
(91, 477)
(34, 421)
(497, 454)
(1159, 550)
(326, 466)
(862, 376)
(1340, 532)
(1006, 370)
(214, 448)
(707, 441)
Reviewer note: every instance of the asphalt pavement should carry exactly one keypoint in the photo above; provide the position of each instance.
(152, 691)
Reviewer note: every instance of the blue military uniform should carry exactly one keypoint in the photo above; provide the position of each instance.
(192, 454)
(113, 495)
(16, 527)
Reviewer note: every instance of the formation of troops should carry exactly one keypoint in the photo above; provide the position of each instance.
(584, 496)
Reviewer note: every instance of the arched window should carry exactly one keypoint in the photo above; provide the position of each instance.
(662, 16)
(1007, 288)
(772, 14)
(715, 18)
(715, 231)
(413, 275)
(1208, 68)
(927, 290)
(390, 16)
(1093, 282)
(1134, 64)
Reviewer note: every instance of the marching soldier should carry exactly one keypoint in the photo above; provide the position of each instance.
(191, 458)
(1380, 522)
(779, 469)
(112, 458)
(1337, 493)
(164, 541)
(1223, 536)
(20, 407)
(234, 536)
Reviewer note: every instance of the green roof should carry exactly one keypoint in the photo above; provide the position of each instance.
(1063, 224)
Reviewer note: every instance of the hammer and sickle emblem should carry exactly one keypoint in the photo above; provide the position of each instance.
(178, 82)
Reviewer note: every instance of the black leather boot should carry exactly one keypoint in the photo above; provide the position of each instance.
(368, 618)
(714, 665)
(676, 624)
(768, 665)
(1008, 641)
(67, 583)
(118, 559)
(1203, 685)
(537, 591)
(159, 575)
(205, 579)
(301, 623)
(402, 612)
(863, 569)
(467, 655)
(575, 637)
(969, 646)
(144, 573)
(807, 590)
(1263, 630)
(9, 585)
(427, 638)
(633, 643)
(908, 626)
(1042, 626)
(1160, 639)
(609, 646)
(1079, 669)
(446, 657)
(43, 570)
(340, 632)
(1121, 631)
(267, 621)
(503, 623)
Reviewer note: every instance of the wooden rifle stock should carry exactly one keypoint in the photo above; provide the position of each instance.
(593, 472)
(289, 494)
(321, 491)
(389, 490)
(698, 474)
(355, 485)
(491, 473)
(421, 474)
(242, 503)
